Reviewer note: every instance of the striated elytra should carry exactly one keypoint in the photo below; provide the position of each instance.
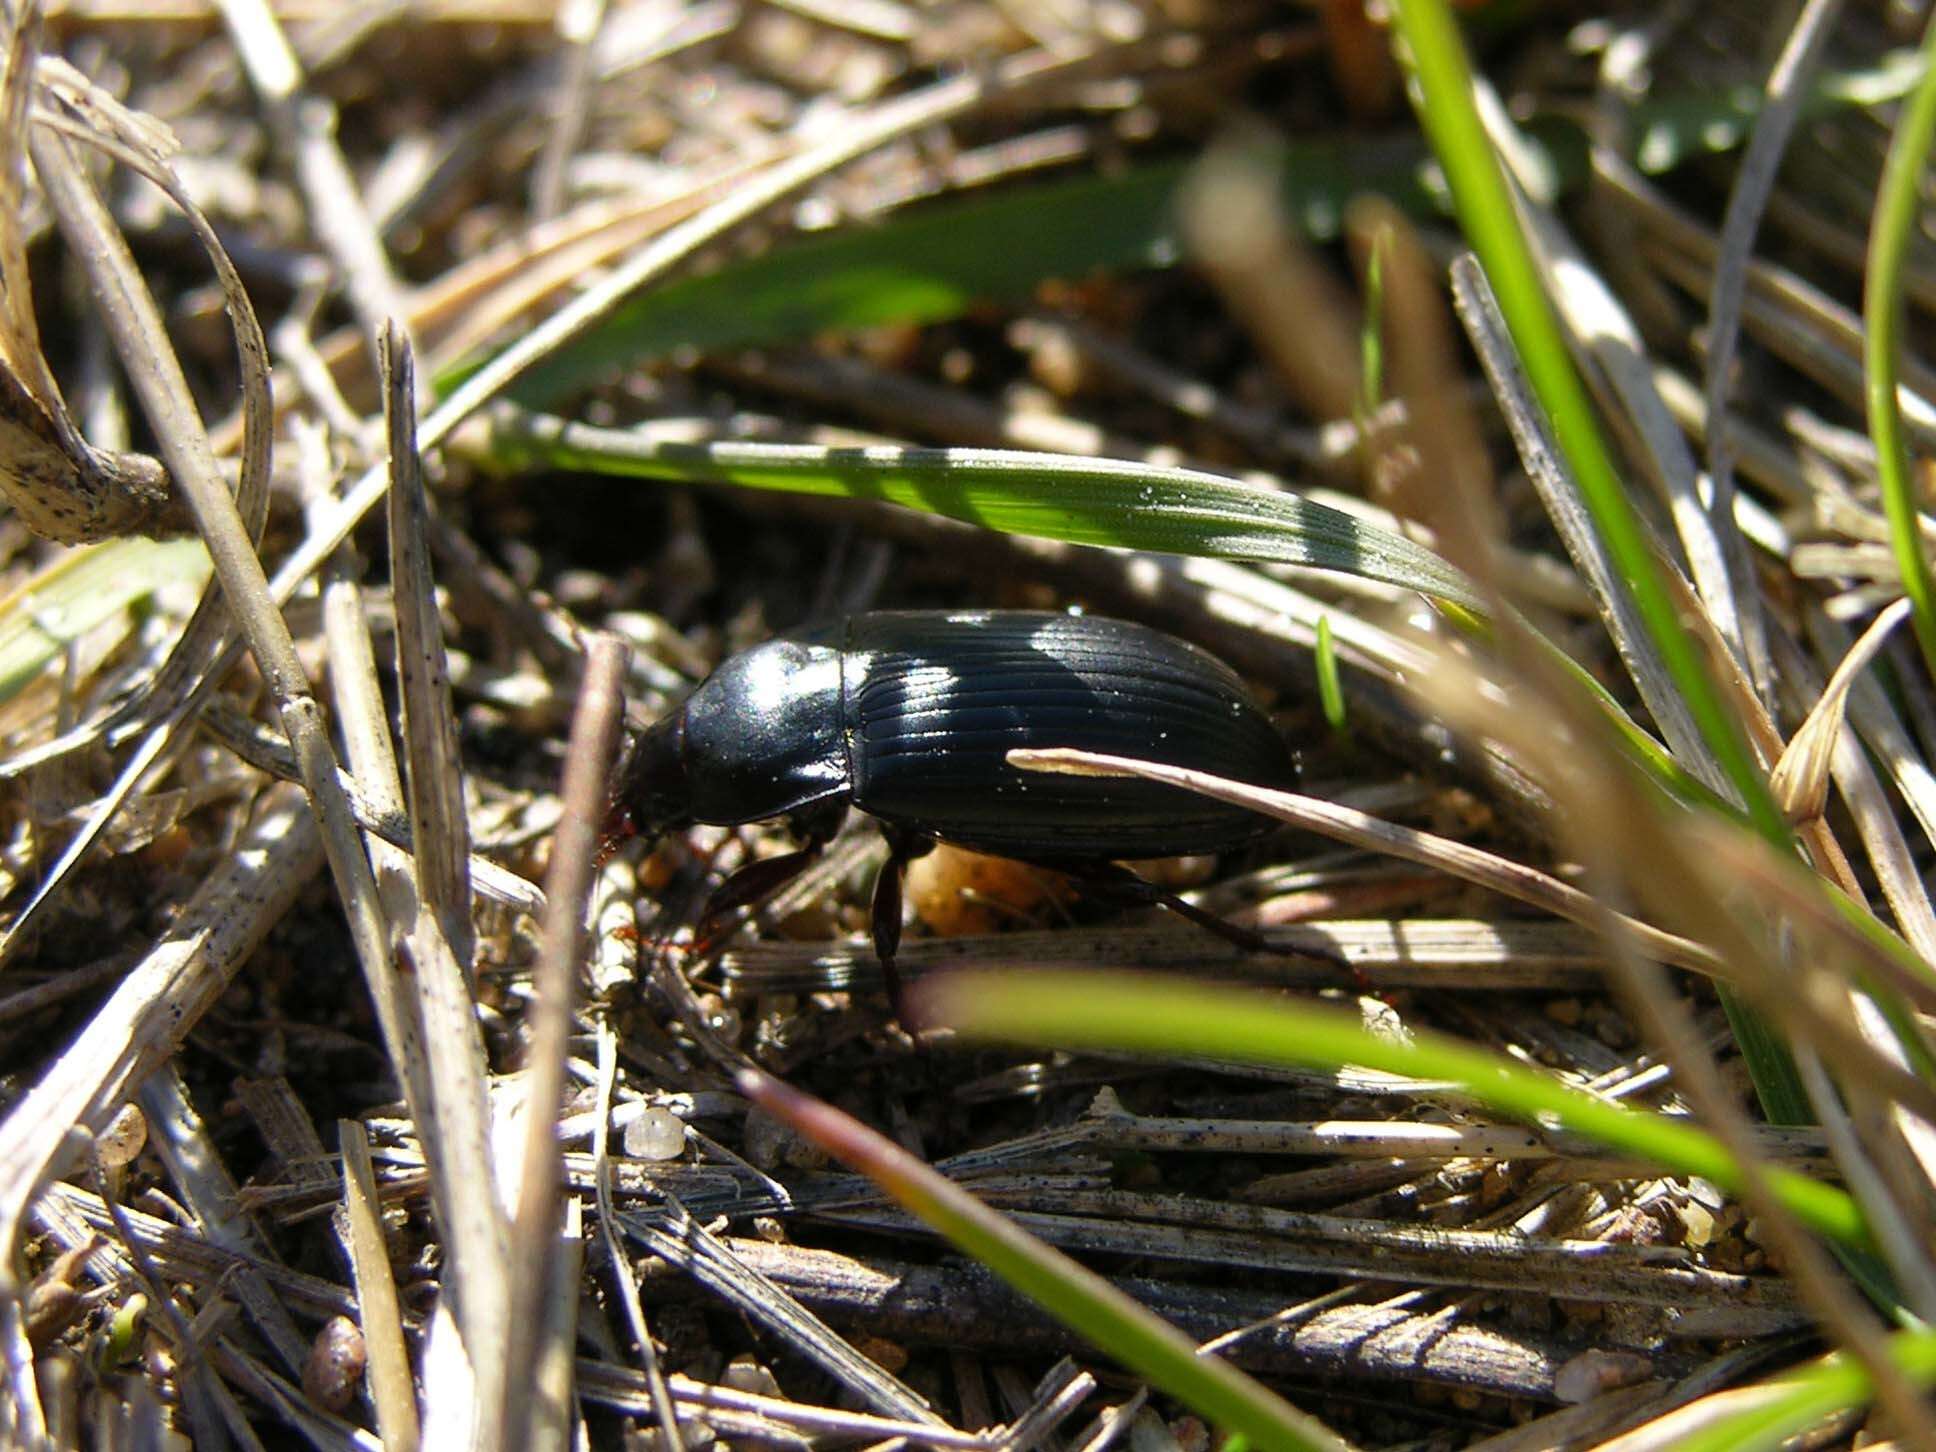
(909, 715)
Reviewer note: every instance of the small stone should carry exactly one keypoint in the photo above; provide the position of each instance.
(745, 1374)
(335, 1364)
(123, 1139)
(1594, 1373)
(656, 1134)
(770, 1229)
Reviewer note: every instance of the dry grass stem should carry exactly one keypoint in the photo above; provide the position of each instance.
(1781, 109)
(535, 1221)
(440, 829)
(1358, 829)
(376, 1296)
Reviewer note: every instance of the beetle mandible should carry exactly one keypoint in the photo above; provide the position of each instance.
(909, 715)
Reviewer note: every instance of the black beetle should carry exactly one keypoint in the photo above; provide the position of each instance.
(909, 716)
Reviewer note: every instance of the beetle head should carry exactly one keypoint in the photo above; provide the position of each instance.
(650, 790)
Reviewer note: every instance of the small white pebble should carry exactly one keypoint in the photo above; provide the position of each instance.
(655, 1134)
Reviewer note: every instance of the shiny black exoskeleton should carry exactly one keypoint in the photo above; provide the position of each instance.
(909, 716)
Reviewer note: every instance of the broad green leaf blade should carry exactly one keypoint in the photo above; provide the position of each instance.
(81, 589)
(1054, 496)
(1121, 1013)
(934, 262)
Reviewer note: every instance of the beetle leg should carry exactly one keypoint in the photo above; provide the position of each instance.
(1111, 879)
(816, 823)
(813, 828)
(753, 882)
(903, 847)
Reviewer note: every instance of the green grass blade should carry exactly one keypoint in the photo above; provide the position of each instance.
(1898, 211)
(1488, 216)
(1806, 1397)
(1077, 1297)
(1054, 496)
(80, 590)
(1371, 336)
(1486, 212)
(1640, 748)
(1179, 1017)
(1330, 686)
